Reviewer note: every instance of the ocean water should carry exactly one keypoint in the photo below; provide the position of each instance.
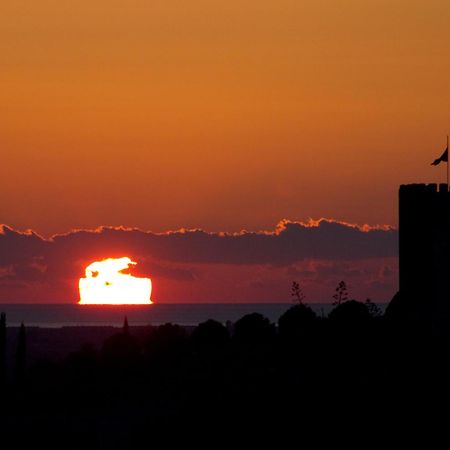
(61, 315)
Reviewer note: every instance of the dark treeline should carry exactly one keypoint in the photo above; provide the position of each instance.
(352, 372)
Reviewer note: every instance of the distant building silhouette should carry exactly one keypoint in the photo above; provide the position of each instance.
(424, 229)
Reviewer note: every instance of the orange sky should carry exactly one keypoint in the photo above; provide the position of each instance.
(222, 115)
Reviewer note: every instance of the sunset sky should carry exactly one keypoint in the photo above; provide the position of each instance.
(219, 115)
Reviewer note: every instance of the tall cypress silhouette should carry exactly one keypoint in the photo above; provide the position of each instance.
(126, 328)
(21, 354)
(2, 347)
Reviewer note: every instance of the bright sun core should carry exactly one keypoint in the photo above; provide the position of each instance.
(107, 284)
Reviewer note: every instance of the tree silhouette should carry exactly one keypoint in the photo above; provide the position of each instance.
(253, 328)
(120, 351)
(349, 313)
(126, 328)
(166, 343)
(297, 322)
(210, 334)
(373, 309)
(2, 346)
(21, 354)
(341, 294)
(297, 293)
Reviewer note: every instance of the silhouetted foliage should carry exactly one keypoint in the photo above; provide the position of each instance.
(21, 354)
(373, 308)
(120, 351)
(297, 321)
(253, 328)
(341, 294)
(210, 334)
(126, 328)
(297, 293)
(83, 365)
(149, 382)
(167, 342)
(350, 312)
(2, 346)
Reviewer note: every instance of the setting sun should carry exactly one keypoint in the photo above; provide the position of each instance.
(106, 283)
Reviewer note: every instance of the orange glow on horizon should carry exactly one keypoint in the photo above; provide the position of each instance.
(107, 284)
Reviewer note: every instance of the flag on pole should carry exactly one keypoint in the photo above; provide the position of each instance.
(442, 158)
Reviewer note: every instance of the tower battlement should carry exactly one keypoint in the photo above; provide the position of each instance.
(411, 189)
(424, 228)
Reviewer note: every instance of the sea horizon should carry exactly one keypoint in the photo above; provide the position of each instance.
(56, 315)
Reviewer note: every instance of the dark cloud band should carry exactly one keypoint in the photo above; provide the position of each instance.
(288, 243)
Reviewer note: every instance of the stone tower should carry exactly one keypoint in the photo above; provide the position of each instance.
(424, 228)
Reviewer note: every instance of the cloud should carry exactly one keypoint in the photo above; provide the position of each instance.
(289, 242)
(187, 256)
(16, 247)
